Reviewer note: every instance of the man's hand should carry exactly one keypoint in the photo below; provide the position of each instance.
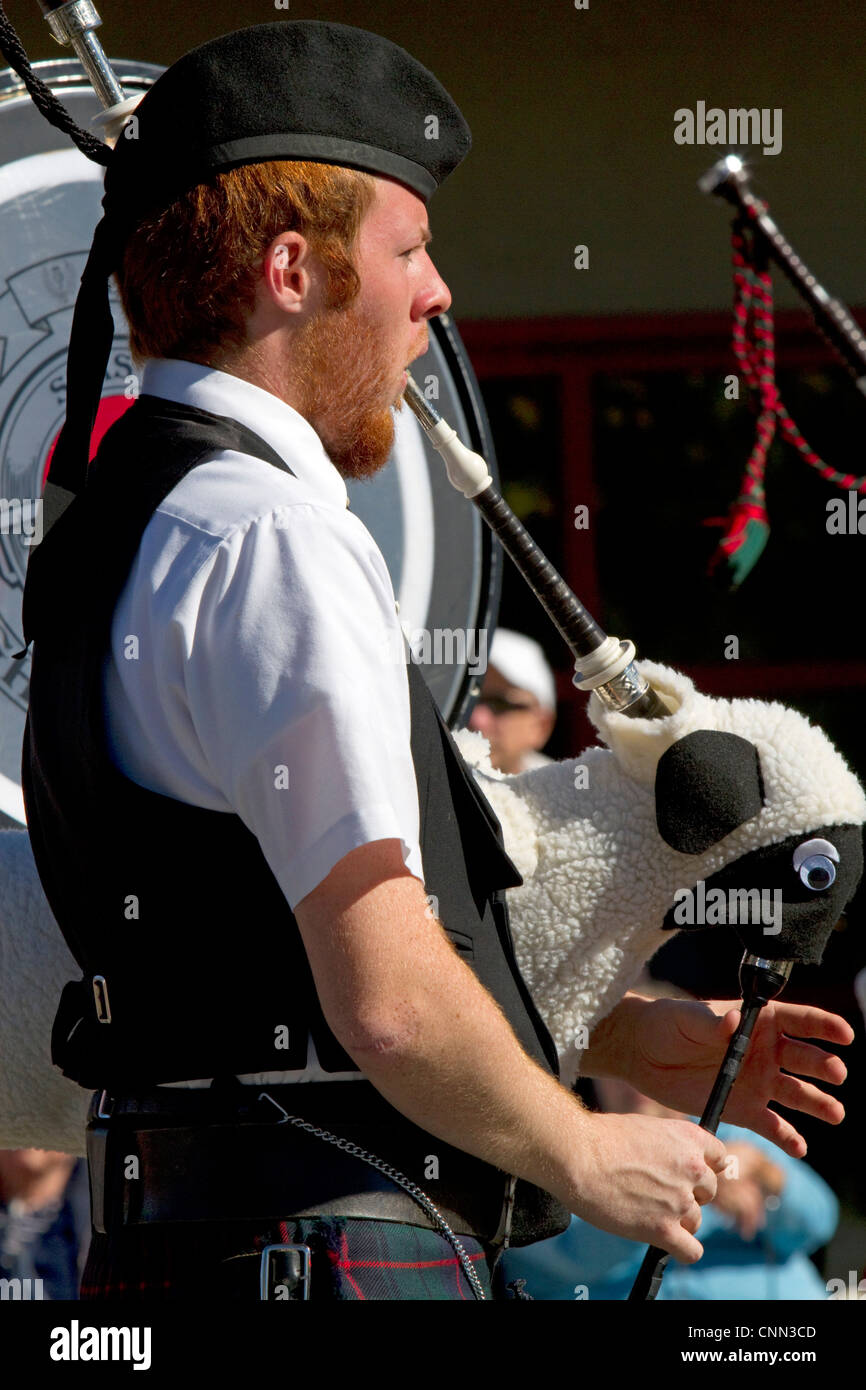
(742, 1196)
(646, 1179)
(675, 1048)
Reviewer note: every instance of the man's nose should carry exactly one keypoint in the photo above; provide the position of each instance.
(436, 298)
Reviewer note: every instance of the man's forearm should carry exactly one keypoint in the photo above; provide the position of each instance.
(459, 1071)
(421, 1026)
(462, 1075)
(418, 1022)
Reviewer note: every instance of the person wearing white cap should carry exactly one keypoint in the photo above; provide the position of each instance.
(516, 710)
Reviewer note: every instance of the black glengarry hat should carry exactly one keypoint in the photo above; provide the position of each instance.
(293, 89)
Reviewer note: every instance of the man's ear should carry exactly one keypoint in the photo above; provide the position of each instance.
(707, 784)
(289, 271)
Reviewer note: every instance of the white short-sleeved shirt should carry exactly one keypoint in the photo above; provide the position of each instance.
(256, 659)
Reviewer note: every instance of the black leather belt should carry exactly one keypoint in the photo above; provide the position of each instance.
(176, 1155)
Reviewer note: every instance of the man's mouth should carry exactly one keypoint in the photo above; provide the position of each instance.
(421, 351)
(404, 379)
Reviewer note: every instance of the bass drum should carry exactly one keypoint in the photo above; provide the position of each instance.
(443, 561)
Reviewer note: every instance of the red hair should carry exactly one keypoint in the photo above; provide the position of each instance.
(189, 274)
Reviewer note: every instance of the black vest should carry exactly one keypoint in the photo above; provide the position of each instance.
(172, 905)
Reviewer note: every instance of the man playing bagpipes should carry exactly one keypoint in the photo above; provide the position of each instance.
(242, 808)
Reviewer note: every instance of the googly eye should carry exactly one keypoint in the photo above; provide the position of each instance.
(817, 872)
(815, 861)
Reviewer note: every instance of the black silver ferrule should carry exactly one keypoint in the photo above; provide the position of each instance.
(762, 979)
(72, 25)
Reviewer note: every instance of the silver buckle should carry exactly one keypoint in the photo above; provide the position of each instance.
(97, 1140)
(266, 1271)
(100, 998)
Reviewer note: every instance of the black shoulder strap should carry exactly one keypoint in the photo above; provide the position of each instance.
(125, 485)
(189, 424)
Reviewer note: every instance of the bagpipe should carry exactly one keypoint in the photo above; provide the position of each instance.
(700, 777)
(713, 781)
(694, 800)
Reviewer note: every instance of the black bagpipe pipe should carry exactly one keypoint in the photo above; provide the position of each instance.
(603, 664)
(728, 179)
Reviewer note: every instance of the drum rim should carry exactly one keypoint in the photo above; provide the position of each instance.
(66, 74)
(481, 440)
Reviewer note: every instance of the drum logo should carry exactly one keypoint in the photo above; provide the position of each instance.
(36, 304)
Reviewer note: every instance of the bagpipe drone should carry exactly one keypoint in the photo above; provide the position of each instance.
(756, 240)
(696, 813)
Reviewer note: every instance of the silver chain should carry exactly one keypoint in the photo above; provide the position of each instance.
(412, 1188)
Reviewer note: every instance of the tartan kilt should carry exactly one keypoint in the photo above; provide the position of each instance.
(352, 1260)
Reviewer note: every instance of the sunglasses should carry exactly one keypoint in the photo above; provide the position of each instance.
(497, 704)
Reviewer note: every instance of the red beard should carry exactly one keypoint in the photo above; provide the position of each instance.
(341, 381)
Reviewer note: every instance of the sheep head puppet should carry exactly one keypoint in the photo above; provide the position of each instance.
(617, 847)
(728, 814)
